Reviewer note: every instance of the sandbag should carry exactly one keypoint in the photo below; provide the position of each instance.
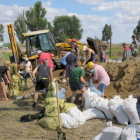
(53, 100)
(93, 113)
(61, 93)
(90, 99)
(50, 123)
(51, 110)
(98, 137)
(22, 85)
(129, 132)
(14, 87)
(111, 132)
(67, 107)
(120, 115)
(103, 106)
(77, 114)
(68, 121)
(131, 111)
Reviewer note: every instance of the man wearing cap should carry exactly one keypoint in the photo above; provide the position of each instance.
(44, 75)
(27, 68)
(134, 46)
(47, 56)
(74, 46)
(71, 61)
(100, 75)
(90, 54)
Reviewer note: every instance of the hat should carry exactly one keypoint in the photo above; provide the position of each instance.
(84, 48)
(73, 40)
(26, 59)
(45, 61)
(89, 65)
(39, 51)
(73, 50)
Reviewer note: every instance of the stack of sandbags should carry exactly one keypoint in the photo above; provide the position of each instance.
(50, 121)
(73, 118)
(110, 133)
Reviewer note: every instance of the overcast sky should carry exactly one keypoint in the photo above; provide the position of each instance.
(123, 15)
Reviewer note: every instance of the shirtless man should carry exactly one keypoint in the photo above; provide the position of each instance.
(90, 55)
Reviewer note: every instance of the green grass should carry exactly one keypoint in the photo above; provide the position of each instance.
(6, 55)
(116, 51)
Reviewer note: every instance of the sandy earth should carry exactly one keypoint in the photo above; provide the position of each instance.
(10, 112)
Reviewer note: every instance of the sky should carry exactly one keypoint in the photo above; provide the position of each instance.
(122, 15)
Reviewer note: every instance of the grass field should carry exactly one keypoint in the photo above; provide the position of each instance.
(116, 51)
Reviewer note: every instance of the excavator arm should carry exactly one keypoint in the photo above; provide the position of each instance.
(15, 50)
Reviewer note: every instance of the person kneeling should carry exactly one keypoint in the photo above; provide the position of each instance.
(77, 82)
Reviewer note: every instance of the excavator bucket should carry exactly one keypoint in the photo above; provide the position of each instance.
(95, 44)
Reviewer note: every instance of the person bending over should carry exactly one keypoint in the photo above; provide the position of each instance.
(44, 75)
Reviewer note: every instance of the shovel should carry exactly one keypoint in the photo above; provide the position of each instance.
(61, 135)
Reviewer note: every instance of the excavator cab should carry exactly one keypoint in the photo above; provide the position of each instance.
(39, 40)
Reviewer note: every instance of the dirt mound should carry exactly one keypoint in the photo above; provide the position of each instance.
(125, 77)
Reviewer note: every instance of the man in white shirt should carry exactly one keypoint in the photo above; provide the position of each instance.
(27, 68)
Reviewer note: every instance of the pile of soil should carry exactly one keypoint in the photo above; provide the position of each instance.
(125, 78)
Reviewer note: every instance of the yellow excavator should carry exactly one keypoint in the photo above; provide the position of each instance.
(37, 40)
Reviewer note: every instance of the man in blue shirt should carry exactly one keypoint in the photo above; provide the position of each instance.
(63, 65)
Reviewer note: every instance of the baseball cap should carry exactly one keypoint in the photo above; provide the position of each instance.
(45, 61)
(39, 51)
(73, 40)
(84, 48)
(26, 59)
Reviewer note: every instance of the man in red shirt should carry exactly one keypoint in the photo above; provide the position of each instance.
(43, 56)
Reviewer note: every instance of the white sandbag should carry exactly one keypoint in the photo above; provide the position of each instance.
(93, 113)
(131, 111)
(129, 132)
(68, 121)
(77, 114)
(131, 99)
(61, 93)
(131, 138)
(111, 132)
(98, 137)
(94, 89)
(103, 106)
(120, 115)
(90, 97)
(115, 100)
